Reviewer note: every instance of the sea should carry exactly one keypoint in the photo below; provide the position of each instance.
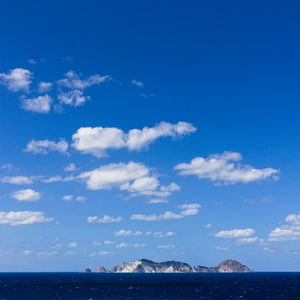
(92, 286)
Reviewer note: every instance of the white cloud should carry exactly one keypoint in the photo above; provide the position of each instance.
(186, 210)
(168, 215)
(26, 195)
(71, 167)
(138, 245)
(72, 245)
(17, 79)
(73, 98)
(17, 180)
(288, 232)
(46, 146)
(27, 252)
(128, 233)
(15, 218)
(72, 80)
(57, 246)
(247, 241)
(67, 198)
(121, 245)
(31, 61)
(81, 199)
(9, 167)
(293, 219)
(224, 168)
(157, 201)
(132, 177)
(97, 140)
(114, 175)
(137, 83)
(222, 248)
(70, 198)
(207, 226)
(96, 243)
(268, 250)
(163, 235)
(104, 252)
(235, 233)
(107, 242)
(189, 209)
(58, 178)
(167, 246)
(104, 219)
(44, 87)
(47, 253)
(39, 104)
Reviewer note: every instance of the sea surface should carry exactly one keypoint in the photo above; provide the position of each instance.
(149, 286)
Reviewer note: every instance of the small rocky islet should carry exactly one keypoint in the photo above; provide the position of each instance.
(148, 266)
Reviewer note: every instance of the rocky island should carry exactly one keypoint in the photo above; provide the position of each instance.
(148, 266)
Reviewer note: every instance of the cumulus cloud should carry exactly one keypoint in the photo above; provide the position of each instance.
(27, 252)
(288, 232)
(46, 146)
(97, 140)
(235, 233)
(104, 219)
(186, 210)
(224, 168)
(17, 79)
(44, 87)
(39, 104)
(26, 195)
(132, 177)
(15, 218)
(72, 245)
(124, 232)
(17, 180)
(72, 80)
(137, 83)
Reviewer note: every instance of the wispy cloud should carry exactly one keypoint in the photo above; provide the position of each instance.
(46, 146)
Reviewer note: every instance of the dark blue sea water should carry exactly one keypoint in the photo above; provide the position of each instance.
(149, 286)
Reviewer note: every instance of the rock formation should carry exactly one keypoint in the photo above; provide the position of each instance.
(148, 266)
(87, 270)
(101, 269)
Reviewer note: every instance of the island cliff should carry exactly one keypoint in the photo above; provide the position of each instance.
(148, 266)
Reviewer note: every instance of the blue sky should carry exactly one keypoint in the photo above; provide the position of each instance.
(149, 129)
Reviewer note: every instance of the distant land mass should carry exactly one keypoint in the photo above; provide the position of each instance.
(148, 266)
